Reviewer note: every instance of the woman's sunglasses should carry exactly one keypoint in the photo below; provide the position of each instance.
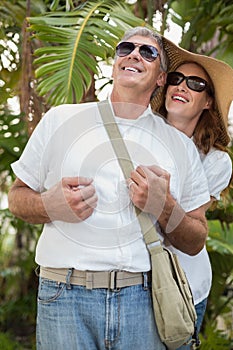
(194, 83)
(148, 52)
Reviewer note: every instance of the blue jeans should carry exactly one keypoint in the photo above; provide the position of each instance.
(97, 319)
(200, 310)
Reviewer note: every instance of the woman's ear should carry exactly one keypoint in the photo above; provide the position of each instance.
(209, 102)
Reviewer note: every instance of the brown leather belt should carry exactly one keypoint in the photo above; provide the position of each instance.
(96, 279)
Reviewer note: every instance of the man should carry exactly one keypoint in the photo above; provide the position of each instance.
(94, 265)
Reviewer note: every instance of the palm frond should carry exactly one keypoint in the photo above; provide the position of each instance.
(73, 43)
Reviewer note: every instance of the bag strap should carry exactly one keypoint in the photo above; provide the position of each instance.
(147, 227)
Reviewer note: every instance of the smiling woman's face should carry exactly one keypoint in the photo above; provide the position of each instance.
(184, 103)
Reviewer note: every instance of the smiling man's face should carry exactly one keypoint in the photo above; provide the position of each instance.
(134, 72)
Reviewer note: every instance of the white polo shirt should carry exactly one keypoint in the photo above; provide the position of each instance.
(71, 140)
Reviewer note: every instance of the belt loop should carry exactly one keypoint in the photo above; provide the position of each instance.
(89, 280)
(68, 276)
(145, 281)
(113, 281)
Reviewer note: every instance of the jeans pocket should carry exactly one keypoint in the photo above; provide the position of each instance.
(49, 291)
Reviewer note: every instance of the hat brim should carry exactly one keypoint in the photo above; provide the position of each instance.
(220, 73)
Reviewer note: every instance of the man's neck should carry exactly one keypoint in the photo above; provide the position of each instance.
(128, 106)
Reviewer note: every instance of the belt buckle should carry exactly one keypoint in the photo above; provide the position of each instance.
(113, 281)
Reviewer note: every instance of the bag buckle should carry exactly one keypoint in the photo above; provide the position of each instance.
(196, 343)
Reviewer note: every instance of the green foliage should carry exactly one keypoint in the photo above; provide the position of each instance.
(220, 242)
(18, 282)
(13, 138)
(69, 56)
(214, 340)
(71, 38)
(7, 343)
(219, 247)
(220, 301)
(215, 17)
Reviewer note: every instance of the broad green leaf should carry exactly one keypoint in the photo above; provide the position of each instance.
(74, 42)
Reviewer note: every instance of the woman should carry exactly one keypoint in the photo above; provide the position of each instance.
(198, 106)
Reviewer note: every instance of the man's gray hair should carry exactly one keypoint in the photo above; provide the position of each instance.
(146, 32)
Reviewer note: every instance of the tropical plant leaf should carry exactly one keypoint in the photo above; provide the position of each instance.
(215, 16)
(214, 339)
(219, 243)
(74, 42)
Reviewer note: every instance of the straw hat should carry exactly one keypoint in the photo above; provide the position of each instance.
(220, 73)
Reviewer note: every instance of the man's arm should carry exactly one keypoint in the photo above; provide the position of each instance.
(71, 200)
(151, 193)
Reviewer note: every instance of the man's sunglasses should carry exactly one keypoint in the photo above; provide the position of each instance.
(193, 82)
(148, 52)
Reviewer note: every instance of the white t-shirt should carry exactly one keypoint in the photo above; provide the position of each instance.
(71, 140)
(218, 168)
